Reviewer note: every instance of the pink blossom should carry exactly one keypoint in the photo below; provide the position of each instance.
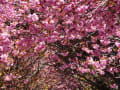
(114, 86)
(26, 81)
(95, 46)
(64, 53)
(90, 61)
(35, 1)
(101, 71)
(4, 57)
(8, 78)
(40, 46)
(82, 9)
(117, 44)
(33, 16)
(105, 42)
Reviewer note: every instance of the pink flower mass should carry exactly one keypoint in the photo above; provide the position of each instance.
(59, 44)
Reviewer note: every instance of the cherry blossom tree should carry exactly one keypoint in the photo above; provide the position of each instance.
(60, 44)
